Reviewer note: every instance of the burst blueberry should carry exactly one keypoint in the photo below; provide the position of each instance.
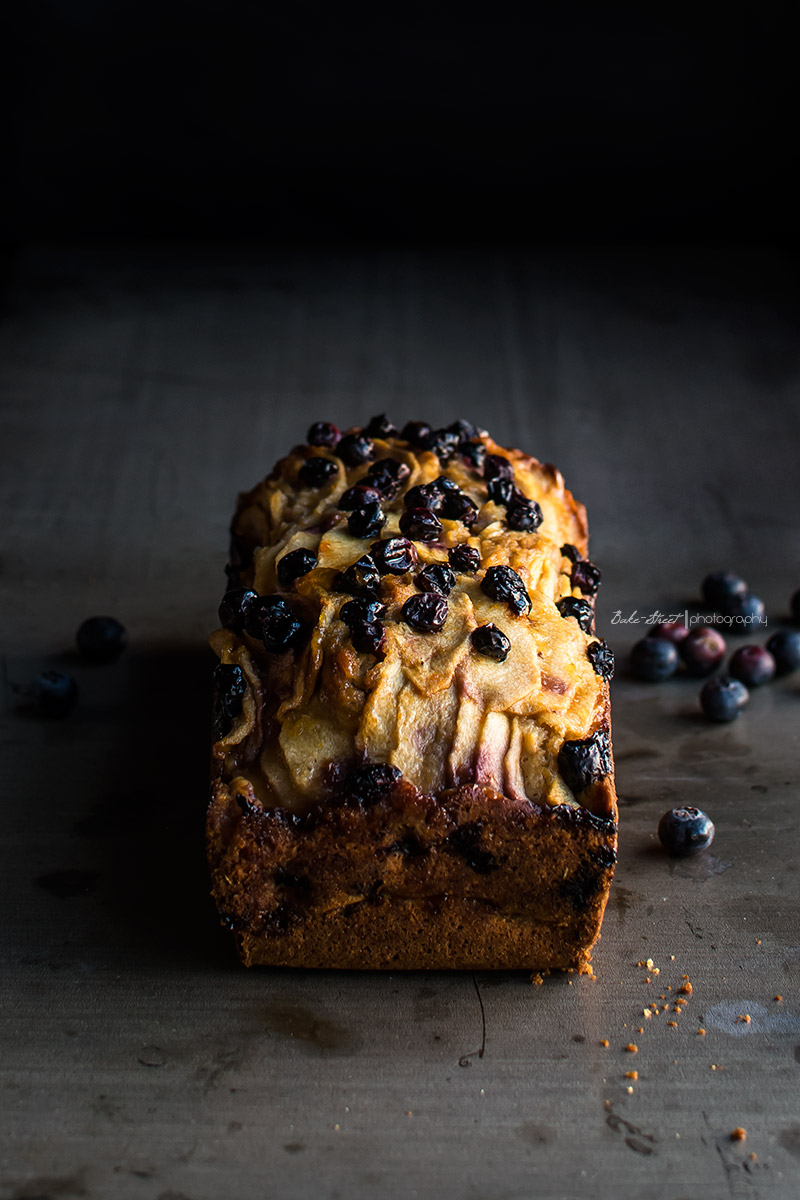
(458, 507)
(586, 577)
(272, 619)
(436, 577)
(497, 467)
(317, 471)
(421, 525)
(380, 427)
(784, 647)
(722, 698)
(524, 515)
(415, 432)
(464, 559)
(441, 442)
(387, 474)
(360, 578)
(323, 433)
(752, 665)
(355, 449)
(474, 453)
(580, 609)
(371, 783)
(55, 694)
(295, 565)
(571, 552)
(491, 642)
(424, 495)
(425, 612)
(358, 496)
(229, 689)
(654, 659)
(233, 608)
(101, 639)
(685, 831)
(361, 611)
(503, 583)
(601, 656)
(585, 761)
(464, 430)
(394, 556)
(366, 522)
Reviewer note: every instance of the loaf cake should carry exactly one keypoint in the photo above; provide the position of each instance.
(411, 763)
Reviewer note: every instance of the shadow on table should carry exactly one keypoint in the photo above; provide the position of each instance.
(144, 828)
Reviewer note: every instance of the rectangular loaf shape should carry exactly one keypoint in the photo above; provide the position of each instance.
(411, 764)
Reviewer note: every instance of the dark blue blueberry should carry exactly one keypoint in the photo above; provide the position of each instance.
(745, 612)
(421, 525)
(794, 604)
(362, 611)
(445, 484)
(685, 831)
(55, 694)
(586, 577)
(436, 577)
(571, 552)
(424, 495)
(601, 656)
(723, 698)
(294, 565)
(366, 522)
(359, 578)
(586, 761)
(101, 639)
(784, 647)
(464, 430)
(720, 587)
(464, 559)
(387, 475)
(441, 442)
(323, 433)
(473, 453)
(369, 637)
(369, 784)
(394, 556)
(271, 618)
(491, 642)
(358, 496)
(229, 688)
(415, 432)
(458, 507)
(380, 427)
(524, 515)
(702, 650)
(673, 631)
(752, 666)
(497, 467)
(317, 471)
(581, 610)
(503, 491)
(654, 659)
(233, 608)
(503, 583)
(355, 449)
(426, 612)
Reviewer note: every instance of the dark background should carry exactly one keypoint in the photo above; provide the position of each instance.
(313, 123)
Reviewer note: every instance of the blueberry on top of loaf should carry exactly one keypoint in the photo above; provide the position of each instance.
(455, 648)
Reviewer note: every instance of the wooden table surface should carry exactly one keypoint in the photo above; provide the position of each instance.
(141, 390)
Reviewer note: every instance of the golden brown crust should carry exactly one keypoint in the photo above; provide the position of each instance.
(479, 745)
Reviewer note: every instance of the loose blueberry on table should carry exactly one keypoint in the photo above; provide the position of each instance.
(747, 611)
(784, 647)
(684, 831)
(722, 698)
(654, 659)
(55, 694)
(673, 631)
(752, 666)
(702, 650)
(491, 642)
(720, 587)
(101, 639)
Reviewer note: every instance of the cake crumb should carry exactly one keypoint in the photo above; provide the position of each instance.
(779, 998)
(753, 1156)
(649, 964)
(604, 1042)
(744, 1017)
(631, 1074)
(758, 941)
(336, 1128)
(672, 959)
(538, 979)
(646, 1012)
(632, 1048)
(629, 1090)
(640, 1029)
(686, 988)
(738, 1134)
(702, 1032)
(674, 1024)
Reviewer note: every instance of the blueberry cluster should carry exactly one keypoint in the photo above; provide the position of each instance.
(701, 651)
(443, 497)
(521, 513)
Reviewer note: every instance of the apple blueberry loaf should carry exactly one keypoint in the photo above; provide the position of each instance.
(412, 758)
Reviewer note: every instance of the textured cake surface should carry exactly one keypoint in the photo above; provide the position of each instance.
(411, 792)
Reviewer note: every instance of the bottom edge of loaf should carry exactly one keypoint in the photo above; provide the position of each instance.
(468, 879)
